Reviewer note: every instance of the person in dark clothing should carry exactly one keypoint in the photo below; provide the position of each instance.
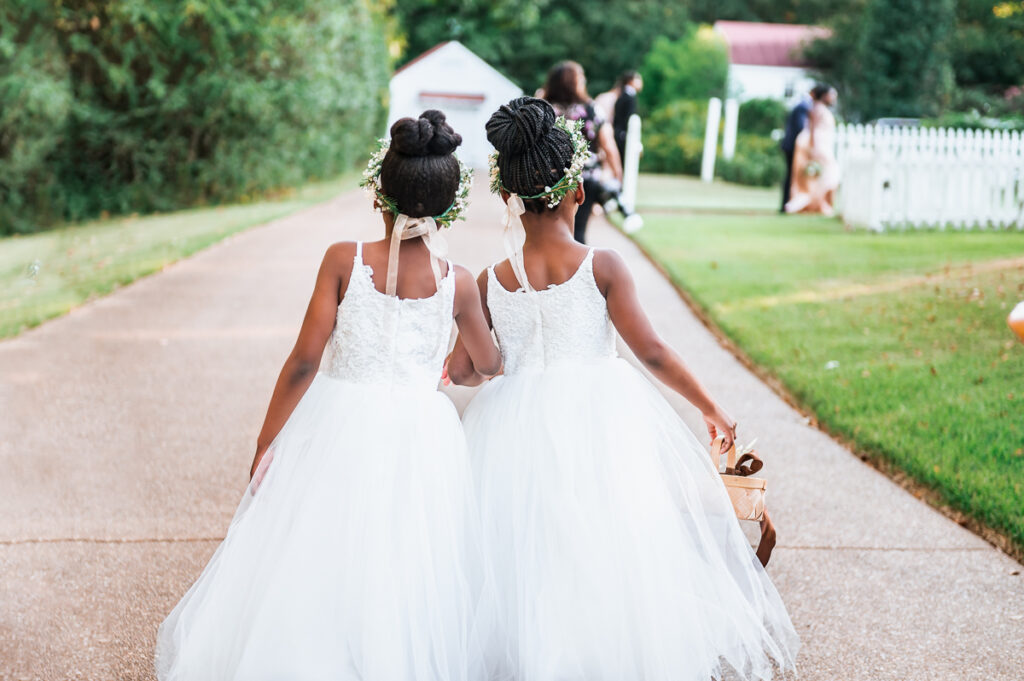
(796, 121)
(630, 84)
(566, 91)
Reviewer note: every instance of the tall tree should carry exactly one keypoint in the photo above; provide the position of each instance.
(988, 52)
(891, 59)
(523, 38)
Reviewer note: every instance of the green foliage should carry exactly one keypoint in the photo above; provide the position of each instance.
(988, 49)
(772, 11)
(761, 116)
(35, 97)
(524, 38)
(674, 138)
(757, 161)
(695, 66)
(178, 103)
(674, 143)
(891, 60)
(972, 120)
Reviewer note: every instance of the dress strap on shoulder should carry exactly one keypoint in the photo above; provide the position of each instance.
(359, 250)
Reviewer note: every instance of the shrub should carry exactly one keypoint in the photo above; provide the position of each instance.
(757, 161)
(674, 138)
(693, 67)
(761, 116)
(182, 103)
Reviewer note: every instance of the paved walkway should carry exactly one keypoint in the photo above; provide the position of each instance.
(127, 427)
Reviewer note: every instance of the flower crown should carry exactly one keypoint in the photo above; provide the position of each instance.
(573, 174)
(371, 183)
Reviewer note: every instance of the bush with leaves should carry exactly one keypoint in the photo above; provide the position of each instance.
(695, 66)
(761, 116)
(674, 138)
(177, 103)
(757, 161)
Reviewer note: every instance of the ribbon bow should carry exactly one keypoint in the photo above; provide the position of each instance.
(410, 228)
(514, 238)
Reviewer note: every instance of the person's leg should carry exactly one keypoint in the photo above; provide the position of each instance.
(788, 181)
(590, 191)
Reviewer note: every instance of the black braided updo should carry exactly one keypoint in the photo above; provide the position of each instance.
(532, 152)
(420, 172)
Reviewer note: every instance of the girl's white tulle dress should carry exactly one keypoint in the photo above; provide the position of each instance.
(612, 550)
(354, 557)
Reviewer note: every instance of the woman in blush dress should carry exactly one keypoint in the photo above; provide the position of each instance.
(815, 169)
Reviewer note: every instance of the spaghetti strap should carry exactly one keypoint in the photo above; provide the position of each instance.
(359, 251)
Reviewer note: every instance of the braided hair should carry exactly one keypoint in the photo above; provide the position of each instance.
(420, 172)
(532, 152)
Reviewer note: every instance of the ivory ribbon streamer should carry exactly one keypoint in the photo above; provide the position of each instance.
(514, 238)
(410, 228)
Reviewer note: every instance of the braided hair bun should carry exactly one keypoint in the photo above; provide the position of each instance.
(428, 135)
(532, 152)
(420, 172)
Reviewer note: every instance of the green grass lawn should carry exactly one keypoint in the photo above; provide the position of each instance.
(45, 275)
(897, 342)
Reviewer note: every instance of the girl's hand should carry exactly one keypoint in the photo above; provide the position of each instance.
(445, 378)
(259, 470)
(720, 423)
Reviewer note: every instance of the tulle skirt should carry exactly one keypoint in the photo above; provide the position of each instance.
(611, 547)
(353, 559)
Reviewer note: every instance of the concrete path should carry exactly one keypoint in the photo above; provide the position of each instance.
(127, 427)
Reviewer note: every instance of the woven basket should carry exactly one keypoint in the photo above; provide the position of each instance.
(745, 493)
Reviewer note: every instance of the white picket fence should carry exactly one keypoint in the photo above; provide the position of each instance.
(895, 178)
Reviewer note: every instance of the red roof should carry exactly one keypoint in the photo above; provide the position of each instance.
(768, 44)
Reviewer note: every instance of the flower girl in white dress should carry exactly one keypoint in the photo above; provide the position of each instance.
(613, 552)
(352, 554)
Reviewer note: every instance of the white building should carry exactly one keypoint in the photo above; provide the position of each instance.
(766, 60)
(449, 77)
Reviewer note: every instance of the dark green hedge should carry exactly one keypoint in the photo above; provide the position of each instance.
(674, 143)
(757, 161)
(174, 103)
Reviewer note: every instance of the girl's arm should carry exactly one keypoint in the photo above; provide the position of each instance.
(474, 341)
(616, 283)
(302, 364)
(606, 141)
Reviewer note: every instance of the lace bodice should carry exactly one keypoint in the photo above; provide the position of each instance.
(562, 323)
(384, 339)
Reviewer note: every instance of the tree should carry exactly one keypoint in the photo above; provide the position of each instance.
(891, 59)
(524, 38)
(693, 67)
(988, 52)
(143, 105)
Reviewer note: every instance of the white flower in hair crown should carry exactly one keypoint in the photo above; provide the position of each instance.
(573, 174)
(371, 182)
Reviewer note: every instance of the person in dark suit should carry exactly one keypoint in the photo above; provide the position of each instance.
(630, 84)
(796, 121)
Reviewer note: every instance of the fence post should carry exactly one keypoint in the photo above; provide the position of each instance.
(707, 165)
(631, 164)
(732, 119)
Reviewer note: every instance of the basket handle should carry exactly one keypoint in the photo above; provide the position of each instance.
(716, 454)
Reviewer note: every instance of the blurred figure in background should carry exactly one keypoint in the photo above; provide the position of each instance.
(630, 85)
(796, 121)
(815, 174)
(566, 90)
